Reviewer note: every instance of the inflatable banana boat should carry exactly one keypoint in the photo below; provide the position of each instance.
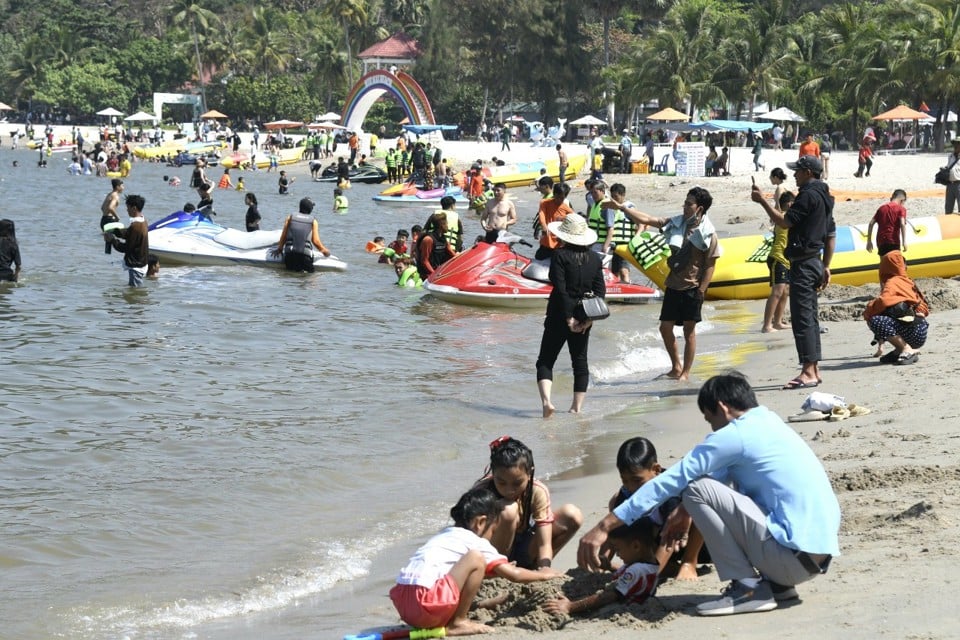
(933, 251)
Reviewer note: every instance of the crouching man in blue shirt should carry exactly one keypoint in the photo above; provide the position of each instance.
(754, 489)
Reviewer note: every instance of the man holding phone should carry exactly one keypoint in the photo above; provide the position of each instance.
(810, 243)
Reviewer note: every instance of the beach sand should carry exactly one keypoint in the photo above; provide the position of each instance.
(895, 470)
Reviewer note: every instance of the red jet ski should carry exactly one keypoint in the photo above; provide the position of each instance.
(494, 275)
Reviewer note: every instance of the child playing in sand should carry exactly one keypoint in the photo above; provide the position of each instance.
(634, 582)
(441, 580)
(637, 464)
(530, 534)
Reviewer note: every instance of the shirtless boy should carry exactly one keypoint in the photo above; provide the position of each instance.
(499, 214)
(108, 209)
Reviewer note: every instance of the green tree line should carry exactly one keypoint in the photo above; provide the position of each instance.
(837, 63)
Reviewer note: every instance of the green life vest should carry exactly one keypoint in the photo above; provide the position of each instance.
(648, 248)
(410, 278)
(596, 222)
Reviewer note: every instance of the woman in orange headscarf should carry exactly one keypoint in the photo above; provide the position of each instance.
(899, 314)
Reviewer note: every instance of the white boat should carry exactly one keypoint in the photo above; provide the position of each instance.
(195, 239)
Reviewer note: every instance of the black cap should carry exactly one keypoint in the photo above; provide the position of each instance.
(810, 163)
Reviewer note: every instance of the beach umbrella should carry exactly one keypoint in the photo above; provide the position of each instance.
(213, 113)
(109, 111)
(328, 116)
(668, 114)
(588, 120)
(902, 113)
(140, 116)
(5, 107)
(783, 115)
(283, 124)
(324, 125)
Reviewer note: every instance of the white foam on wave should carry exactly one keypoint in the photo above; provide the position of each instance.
(331, 564)
(640, 353)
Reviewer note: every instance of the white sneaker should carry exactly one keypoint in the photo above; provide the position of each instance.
(739, 598)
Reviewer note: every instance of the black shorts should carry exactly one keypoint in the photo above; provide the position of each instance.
(779, 274)
(681, 306)
(300, 262)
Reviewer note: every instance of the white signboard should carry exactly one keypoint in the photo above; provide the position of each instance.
(691, 159)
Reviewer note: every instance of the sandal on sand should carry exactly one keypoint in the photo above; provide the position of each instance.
(890, 358)
(907, 358)
(838, 413)
(857, 410)
(797, 383)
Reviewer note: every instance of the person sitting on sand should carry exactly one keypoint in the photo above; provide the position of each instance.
(777, 528)
(899, 314)
(438, 585)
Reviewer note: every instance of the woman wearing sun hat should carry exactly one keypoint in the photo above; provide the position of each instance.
(574, 271)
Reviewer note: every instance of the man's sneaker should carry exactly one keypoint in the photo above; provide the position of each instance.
(782, 593)
(739, 598)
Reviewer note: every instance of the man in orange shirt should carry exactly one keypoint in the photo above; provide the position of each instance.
(809, 146)
(354, 144)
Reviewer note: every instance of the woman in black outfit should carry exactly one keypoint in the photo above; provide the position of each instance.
(574, 271)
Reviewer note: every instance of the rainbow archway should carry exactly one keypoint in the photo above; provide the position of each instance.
(374, 85)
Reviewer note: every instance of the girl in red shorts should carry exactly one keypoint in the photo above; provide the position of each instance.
(440, 582)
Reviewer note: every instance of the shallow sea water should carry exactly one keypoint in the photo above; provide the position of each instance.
(227, 452)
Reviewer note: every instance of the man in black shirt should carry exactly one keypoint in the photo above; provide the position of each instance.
(810, 244)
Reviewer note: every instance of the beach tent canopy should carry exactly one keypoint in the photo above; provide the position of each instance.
(5, 107)
(283, 124)
(783, 115)
(902, 113)
(324, 125)
(140, 116)
(719, 125)
(668, 114)
(109, 111)
(329, 116)
(588, 120)
(213, 113)
(420, 129)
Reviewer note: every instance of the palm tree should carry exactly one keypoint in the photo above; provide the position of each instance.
(26, 65)
(938, 33)
(757, 53)
(347, 12)
(677, 62)
(267, 42)
(199, 19)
